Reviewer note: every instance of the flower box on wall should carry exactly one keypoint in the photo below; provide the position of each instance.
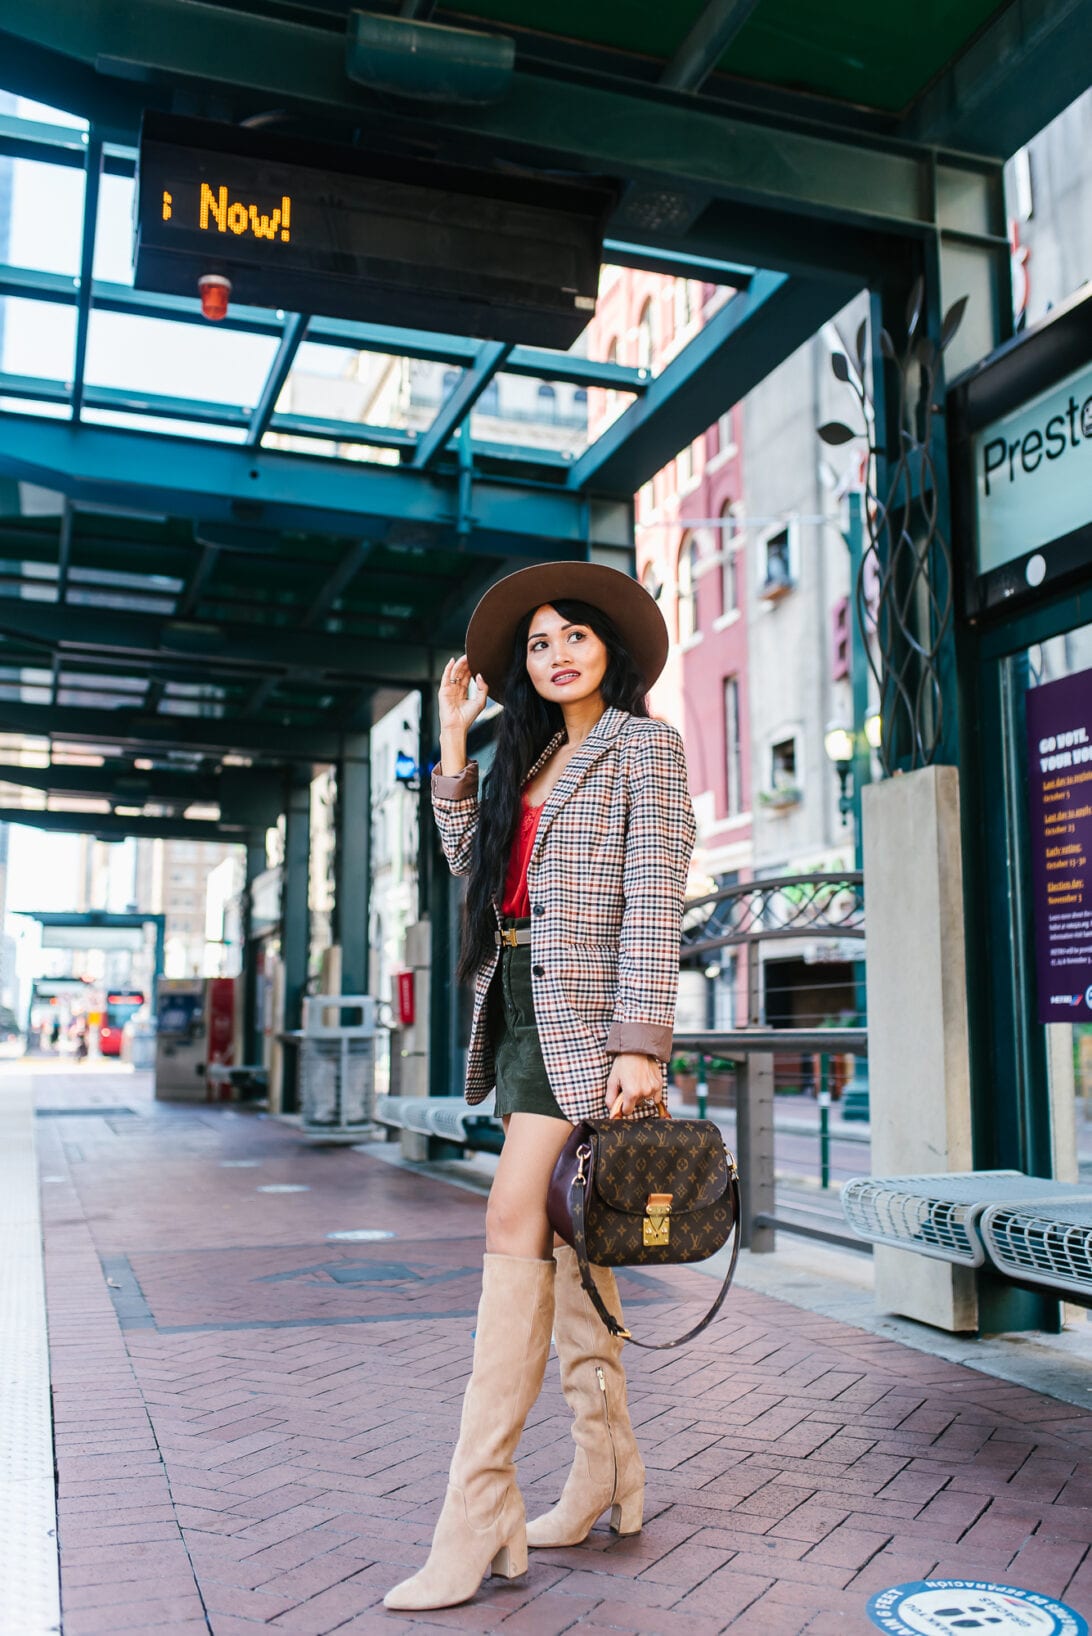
(780, 800)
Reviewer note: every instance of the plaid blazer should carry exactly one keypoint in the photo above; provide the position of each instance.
(606, 882)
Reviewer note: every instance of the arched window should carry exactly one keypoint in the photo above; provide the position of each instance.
(547, 401)
(650, 579)
(451, 381)
(731, 559)
(645, 337)
(688, 588)
(489, 402)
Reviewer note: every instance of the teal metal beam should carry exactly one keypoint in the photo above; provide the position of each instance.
(627, 131)
(353, 864)
(295, 328)
(245, 796)
(460, 401)
(136, 731)
(746, 339)
(108, 826)
(646, 258)
(218, 650)
(1027, 64)
(87, 261)
(295, 924)
(710, 37)
(182, 477)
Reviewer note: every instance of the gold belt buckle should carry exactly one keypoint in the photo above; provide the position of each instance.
(657, 1223)
(508, 936)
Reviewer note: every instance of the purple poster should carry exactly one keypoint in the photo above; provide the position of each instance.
(1060, 795)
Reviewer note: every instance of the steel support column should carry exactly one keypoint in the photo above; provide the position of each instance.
(353, 863)
(255, 864)
(295, 926)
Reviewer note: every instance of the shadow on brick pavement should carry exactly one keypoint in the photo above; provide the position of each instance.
(253, 1420)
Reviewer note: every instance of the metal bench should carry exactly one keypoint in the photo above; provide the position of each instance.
(1030, 1229)
(941, 1215)
(1042, 1242)
(447, 1117)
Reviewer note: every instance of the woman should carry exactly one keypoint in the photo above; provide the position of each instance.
(577, 859)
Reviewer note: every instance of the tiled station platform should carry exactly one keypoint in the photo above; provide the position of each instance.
(253, 1415)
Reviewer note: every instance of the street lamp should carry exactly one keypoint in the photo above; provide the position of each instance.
(838, 742)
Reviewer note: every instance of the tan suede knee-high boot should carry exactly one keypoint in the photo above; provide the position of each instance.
(482, 1521)
(608, 1469)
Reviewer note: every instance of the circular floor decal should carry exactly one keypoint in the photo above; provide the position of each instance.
(360, 1235)
(967, 1607)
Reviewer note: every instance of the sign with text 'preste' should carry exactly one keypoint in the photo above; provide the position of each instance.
(1033, 472)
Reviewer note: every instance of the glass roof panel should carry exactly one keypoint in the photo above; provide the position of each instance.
(186, 360)
(37, 338)
(164, 426)
(46, 223)
(27, 108)
(114, 230)
(335, 383)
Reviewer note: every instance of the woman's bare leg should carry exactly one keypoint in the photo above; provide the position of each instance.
(515, 1220)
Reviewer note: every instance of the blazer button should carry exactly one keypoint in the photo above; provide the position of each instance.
(539, 909)
(538, 971)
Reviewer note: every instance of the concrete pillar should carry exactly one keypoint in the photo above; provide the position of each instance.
(917, 1019)
(295, 926)
(353, 863)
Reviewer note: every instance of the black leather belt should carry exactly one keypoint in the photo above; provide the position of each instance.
(513, 937)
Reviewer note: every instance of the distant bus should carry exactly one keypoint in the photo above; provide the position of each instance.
(119, 1007)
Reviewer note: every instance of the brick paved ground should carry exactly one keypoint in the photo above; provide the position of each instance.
(253, 1421)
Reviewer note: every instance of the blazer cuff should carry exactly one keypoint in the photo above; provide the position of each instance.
(458, 786)
(650, 1038)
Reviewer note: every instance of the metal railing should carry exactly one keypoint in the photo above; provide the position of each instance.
(753, 1049)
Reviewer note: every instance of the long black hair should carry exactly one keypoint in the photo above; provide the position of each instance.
(527, 724)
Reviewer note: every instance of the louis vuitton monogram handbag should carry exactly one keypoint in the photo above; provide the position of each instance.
(640, 1193)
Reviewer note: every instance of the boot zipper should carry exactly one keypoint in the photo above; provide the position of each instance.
(601, 1378)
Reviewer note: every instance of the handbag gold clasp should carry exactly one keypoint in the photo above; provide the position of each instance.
(583, 1154)
(657, 1223)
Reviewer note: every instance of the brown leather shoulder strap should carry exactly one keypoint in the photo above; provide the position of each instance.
(615, 1325)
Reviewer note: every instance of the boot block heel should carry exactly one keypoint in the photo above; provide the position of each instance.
(511, 1560)
(627, 1514)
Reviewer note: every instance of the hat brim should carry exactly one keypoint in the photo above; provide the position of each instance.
(634, 613)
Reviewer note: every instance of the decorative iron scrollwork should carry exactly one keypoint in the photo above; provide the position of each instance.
(904, 592)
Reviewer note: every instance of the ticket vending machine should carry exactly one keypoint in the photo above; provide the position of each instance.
(195, 1029)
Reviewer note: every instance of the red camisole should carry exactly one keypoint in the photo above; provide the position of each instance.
(516, 900)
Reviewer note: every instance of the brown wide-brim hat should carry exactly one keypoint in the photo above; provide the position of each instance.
(633, 612)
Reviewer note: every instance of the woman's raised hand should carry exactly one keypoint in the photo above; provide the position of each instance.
(458, 711)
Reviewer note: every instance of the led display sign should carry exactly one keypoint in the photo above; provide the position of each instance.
(349, 233)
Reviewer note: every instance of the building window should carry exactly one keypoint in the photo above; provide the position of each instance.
(451, 381)
(783, 765)
(547, 401)
(777, 565)
(731, 559)
(646, 340)
(489, 402)
(688, 588)
(733, 747)
(650, 579)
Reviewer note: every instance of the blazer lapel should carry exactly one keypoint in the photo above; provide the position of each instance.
(597, 743)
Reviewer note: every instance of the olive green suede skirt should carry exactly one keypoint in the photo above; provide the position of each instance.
(522, 1083)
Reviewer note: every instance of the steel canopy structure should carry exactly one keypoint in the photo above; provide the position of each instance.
(279, 573)
(211, 580)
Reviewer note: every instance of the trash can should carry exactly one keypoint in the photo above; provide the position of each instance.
(337, 1050)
